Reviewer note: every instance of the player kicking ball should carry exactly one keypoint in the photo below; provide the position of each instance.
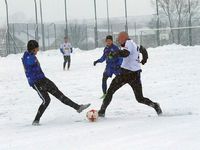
(130, 74)
(40, 83)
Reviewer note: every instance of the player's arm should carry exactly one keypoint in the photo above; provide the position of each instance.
(101, 60)
(144, 53)
(62, 50)
(71, 48)
(120, 53)
(123, 53)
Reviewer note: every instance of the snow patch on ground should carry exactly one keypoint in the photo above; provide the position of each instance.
(171, 77)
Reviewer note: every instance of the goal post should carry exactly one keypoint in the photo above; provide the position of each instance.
(177, 35)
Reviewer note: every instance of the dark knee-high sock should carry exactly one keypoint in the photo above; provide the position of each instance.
(40, 112)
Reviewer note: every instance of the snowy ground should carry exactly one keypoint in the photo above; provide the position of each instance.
(171, 77)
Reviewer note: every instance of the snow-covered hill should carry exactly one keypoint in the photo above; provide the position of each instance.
(171, 77)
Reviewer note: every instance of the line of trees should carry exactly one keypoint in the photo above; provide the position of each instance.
(176, 13)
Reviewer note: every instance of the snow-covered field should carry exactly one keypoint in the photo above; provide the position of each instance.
(171, 77)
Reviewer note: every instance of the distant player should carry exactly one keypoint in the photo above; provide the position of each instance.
(112, 63)
(66, 49)
(130, 74)
(41, 84)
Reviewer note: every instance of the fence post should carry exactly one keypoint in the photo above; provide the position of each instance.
(13, 29)
(55, 35)
(108, 17)
(190, 23)
(158, 24)
(86, 37)
(141, 38)
(126, 16)
(8, 31)
(48, 37)
(42, 28)
(36, 21)
(66, 20)
(95, 28)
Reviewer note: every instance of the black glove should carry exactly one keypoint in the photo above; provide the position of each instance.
(95, 63)
(123, 45)
(144, 61)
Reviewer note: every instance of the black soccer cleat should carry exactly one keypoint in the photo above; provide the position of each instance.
(83, 107)
(101, 114)
(35, 123)
(158, 109)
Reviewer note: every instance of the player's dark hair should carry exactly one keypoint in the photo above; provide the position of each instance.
(109, 37)
(32, 44)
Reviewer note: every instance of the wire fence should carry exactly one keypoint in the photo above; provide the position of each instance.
(80, 35)
(83, 36)
(182, 35)
(3, 51)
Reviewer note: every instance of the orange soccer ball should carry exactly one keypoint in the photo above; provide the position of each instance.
(92, 115)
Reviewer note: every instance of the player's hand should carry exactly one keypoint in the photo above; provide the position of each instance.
(95, 63)
(144, 61)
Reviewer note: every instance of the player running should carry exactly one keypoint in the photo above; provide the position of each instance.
(66, 49)
(130, 74)
(41, 84)
(112, 63)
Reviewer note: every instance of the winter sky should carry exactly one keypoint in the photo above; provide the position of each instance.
(53, 10)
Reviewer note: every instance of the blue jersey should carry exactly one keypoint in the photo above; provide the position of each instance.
(32, 68)
(112, 64)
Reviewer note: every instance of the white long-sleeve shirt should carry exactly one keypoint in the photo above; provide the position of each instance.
(66, 48)
(132, 62)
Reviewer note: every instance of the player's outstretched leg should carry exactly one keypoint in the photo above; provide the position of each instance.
(137, 88)
(52, 88)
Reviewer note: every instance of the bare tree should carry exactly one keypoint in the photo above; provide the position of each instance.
(168, 9)
(177, 13)
(77, 33)
(193, 9)
(181, 12)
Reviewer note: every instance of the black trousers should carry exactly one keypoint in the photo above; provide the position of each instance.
(127, 77)
(67, 59)
(45, 86)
